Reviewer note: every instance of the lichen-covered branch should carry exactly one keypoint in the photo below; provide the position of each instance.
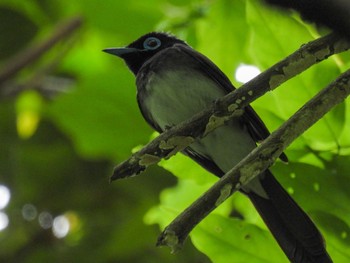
(257, 161)
(182, 135)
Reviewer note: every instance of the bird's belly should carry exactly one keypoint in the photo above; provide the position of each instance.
(176, 96)
(170, 102)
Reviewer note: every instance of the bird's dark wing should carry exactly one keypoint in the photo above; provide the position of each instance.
(251, 120)
(255, 124)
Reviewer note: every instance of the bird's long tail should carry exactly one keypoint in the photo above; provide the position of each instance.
(290, 225)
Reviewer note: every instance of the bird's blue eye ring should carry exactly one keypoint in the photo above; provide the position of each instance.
(151, 43)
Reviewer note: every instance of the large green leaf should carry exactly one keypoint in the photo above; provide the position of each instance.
(222, 35)
(323, 192)
(274, 35)
(232, 240)
(185, 168)
(317, 188)
(101, 114)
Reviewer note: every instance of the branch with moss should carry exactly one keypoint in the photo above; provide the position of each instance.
(257, 161)
(179, 137)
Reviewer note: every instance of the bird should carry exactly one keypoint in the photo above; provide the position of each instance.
(174, 81)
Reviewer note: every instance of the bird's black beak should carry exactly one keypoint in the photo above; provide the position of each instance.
(120, 51)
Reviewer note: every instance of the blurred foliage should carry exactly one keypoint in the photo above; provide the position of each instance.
(70, 115)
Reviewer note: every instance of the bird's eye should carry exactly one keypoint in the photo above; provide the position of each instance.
(151, 43)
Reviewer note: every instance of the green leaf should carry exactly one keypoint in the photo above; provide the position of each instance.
(101, 119)
(185, 168)
(126, 19)
(232, 240)
(317, 189)
(323, 193)
(176, 199)
(337, 234)
(274, 35)
(222, 35)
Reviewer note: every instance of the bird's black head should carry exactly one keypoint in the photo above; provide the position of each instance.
(142, 49)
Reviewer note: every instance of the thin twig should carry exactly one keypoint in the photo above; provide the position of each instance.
(33, 53)
(38, 80)
(182, 135)
(257, 161)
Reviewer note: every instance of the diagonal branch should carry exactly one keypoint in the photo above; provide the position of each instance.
(182, 135)
(31, 54)
(257, 161)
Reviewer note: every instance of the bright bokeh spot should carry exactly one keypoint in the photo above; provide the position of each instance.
(61, 226)
(29, 212)
(244, 73)
(4, 221)
(5, 196)
(45, 220)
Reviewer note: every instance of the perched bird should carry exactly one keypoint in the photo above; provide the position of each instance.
(173, 83)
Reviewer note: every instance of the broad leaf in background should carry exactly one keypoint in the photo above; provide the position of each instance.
(185, 168)
(232, 240)
(222, 35)
(274, 35)
(102, 113)
(324, 193)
